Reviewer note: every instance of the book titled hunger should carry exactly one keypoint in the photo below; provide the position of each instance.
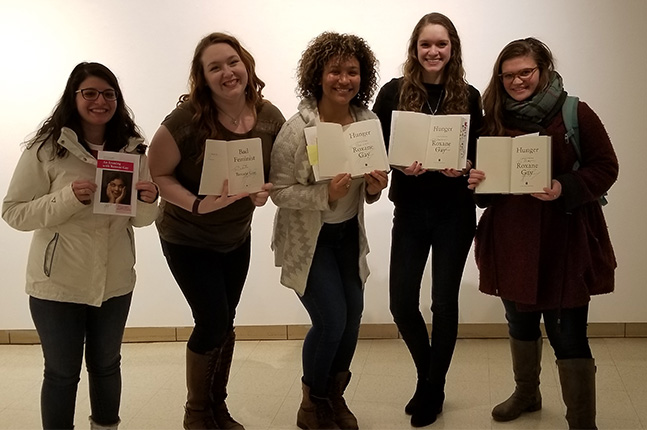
(514, 165)
(437, 141)
(239, 161)
(356, 148)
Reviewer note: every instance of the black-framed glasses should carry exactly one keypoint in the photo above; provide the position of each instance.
(92, 94)
(522, 74)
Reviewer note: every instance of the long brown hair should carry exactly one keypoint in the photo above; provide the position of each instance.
(495, 94)
(200, 97)
(413, 93)
(119, 129)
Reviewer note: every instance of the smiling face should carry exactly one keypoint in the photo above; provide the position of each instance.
(115, 188)
(340, 81)
(519, 80)
(95, 113)
(224, 72)
(434, 51)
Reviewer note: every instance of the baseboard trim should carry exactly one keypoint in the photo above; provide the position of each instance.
(297, 332)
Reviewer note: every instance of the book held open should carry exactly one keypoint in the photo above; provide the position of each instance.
(437, 141)
(239, 161)
(357, 148)
(514, 165)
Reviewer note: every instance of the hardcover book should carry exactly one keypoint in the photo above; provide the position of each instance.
(516, 165)
(357, 148)
(239, 161)
(437, 141)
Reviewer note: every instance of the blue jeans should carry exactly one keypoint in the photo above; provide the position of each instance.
(212, 283)
(334, 299)
(63, 329)
(565, 328)
(448, 233)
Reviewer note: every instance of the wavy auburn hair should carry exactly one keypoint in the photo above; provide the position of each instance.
(200, 96)
(413, 93)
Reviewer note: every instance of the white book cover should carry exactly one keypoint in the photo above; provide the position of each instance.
(116, 176)
(436, 141)
(239, 161)
(519, 165)
(357, 148)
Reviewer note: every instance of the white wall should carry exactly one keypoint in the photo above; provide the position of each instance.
(599, 46)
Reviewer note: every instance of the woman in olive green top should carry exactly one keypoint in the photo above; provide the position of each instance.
(206, 239)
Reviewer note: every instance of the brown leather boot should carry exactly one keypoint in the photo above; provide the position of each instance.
(577, 377)
(219, 386)
(526, 365)
(315, 413)
(199, 373)
(343, 417)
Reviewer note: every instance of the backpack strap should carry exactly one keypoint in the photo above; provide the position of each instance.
(572, 136)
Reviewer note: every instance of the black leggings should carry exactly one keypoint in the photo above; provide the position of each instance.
(212, 283)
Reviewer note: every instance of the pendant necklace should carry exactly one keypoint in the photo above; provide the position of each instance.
(433, 111)
(234, 120)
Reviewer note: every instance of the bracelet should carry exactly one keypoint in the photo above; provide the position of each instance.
(196, 204)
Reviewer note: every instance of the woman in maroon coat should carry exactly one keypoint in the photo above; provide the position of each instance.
(546, 254)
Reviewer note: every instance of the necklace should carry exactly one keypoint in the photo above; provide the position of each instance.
(234, 119)
(433, 111)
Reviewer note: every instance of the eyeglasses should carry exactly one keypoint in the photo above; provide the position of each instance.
(92, 94)
(522, 74)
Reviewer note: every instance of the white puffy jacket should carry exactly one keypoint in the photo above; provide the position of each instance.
(75, 255)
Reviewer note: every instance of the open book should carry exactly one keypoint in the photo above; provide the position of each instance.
(116, 176)
(357, 148)
(437, 141)
(239, 161)
(517, 165)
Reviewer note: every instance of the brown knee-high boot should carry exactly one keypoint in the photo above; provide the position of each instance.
(343, 416)
(315, 413)
(219, 386)
(577, 377)
(199, 374)
(526, 365)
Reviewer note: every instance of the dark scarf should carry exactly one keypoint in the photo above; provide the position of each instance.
(535, 113)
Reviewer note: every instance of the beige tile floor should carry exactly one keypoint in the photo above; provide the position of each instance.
(264, 390)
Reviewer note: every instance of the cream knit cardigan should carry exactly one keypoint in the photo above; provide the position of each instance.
(301, 201)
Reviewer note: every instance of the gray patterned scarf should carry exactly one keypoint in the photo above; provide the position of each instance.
(541, 106)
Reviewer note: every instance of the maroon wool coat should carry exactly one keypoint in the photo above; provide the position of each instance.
(553, 255)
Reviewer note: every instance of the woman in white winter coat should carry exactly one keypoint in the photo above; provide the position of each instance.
(80, 270)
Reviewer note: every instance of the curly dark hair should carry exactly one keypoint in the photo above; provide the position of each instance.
(495, 94)
(413, 93)
(119, 129)
(325, 47)
(200, 97)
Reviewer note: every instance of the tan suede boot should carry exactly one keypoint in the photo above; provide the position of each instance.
(95, 426)
(526, 365)
(577, 377)
(315, 413)
(343, 417)
(199, 374)
(219, 386)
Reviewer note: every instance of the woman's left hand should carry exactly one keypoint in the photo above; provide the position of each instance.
(376, 181)
(260, 198)
(146, 191)
(551, 193)
(453, 173)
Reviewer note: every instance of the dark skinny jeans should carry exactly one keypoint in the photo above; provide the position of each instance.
(448, 233)
(334, 299)
(64, 329)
